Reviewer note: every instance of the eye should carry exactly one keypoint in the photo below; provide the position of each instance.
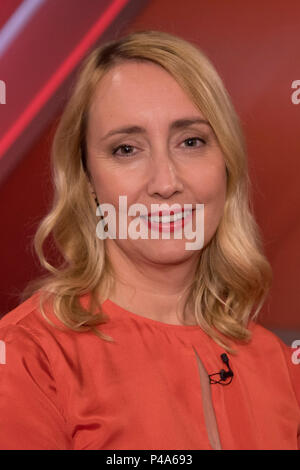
(124, 146)
(193, 139)
(128, 148)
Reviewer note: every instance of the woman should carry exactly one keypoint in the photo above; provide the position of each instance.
(141, 343)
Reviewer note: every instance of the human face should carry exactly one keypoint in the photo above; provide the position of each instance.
(162, 164)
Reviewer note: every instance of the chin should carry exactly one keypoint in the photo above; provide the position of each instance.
(167, 251)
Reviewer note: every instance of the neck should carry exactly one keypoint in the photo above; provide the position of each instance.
(154, 290)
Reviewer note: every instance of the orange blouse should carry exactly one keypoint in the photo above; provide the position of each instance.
(68, 390)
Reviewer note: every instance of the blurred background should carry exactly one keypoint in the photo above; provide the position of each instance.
(255, 46)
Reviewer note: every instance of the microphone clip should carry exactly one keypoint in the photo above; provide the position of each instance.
(224, 374)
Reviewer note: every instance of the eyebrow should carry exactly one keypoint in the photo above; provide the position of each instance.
(175, 125)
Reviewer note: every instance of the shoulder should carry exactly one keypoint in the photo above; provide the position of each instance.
(17, 321)
(266, 340)
(270, 353)
(26, 324)
(28, 382)
(19, 315)
(35, 320)
(265, 343)
(26, 315)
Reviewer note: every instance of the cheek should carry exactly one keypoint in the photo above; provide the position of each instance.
(209, 183)
(112, 183)
(210, 189)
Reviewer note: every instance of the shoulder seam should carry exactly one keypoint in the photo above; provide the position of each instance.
(34, 333)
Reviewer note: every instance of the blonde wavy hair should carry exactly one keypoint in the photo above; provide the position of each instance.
(233, 275)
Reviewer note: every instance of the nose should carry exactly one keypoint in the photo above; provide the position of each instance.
(164, 179)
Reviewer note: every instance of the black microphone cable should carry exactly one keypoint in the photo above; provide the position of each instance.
(224, 375)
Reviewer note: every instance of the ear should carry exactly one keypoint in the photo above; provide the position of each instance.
(91, 188)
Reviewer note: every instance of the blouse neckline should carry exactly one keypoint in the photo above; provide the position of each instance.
(122, 312)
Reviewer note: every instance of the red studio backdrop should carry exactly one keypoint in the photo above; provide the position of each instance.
(255, 47)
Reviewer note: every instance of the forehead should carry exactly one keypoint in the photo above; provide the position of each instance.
(139, 90)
